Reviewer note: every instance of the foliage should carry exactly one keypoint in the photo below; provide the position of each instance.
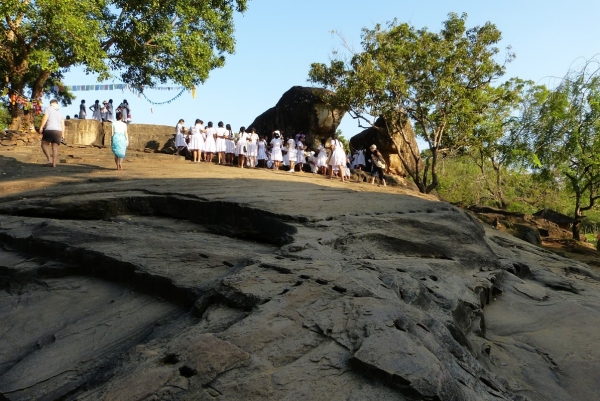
(4, 116)
(142, 42)
(439, 81)
(500, 139)
(566, 138)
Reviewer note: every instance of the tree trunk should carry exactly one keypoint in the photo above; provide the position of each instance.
(577, 223)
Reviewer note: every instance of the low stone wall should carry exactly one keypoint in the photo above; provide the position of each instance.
(141, 136)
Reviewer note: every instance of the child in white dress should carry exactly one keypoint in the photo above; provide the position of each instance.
(262, 152)
(210, 146)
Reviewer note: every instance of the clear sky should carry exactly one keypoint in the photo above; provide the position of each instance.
(277, 40)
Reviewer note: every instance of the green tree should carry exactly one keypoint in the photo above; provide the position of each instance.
(441, 82)
(142, 42)
(566, 137)
(500, 141)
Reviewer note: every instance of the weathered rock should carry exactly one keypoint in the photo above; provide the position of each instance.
(8, 143)
(301, 109)
(206, 288)
(393, 147)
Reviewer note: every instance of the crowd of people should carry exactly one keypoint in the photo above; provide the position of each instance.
(104, 112)
(206, 143)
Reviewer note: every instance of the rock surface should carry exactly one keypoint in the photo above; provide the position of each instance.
(226, 285)
(395, 147)
(301, 109)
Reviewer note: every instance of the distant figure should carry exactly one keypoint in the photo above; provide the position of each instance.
(82, 110)
(377, 165)
(103, 111)
(125, 111)
(96, 111)
(119, 141)
(110, 111)
(51, 129)
(76, 117)
(210, 145)
(67, 117)
(338, 157)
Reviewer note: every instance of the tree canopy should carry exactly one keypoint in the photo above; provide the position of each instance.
(141, 42)
(441, 82)
(566, 137)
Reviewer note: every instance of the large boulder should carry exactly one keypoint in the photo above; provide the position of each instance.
(301, 109)
(393, 146)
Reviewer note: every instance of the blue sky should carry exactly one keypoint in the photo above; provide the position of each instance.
(277, 40)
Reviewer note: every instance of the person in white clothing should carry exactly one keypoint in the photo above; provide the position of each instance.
(180, 144)
(301, 157)
(291, 153)
(338, 157)
(276, 145)
(229, 145)
(221, 135)
(241, 147)
(262, 152)
(196, 140)
(252, 153)
(210, 146)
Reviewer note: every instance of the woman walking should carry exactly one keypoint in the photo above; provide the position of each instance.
(119, 141)
(338, 157)
(51, 129)
(377, 165)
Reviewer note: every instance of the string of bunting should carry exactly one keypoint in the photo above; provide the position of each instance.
(136, 90)
(166, 102)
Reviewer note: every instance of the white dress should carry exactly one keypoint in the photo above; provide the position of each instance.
(209, 144)
(300, 156)
(220, 141)
(322, 157)
(262, 150)
(291, 150)
(241, 144)
(276, 154)
(196, 140)
(179, 138)
(230, 142)
(338, 156)
(252, 145)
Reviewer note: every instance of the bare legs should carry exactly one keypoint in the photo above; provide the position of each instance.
(241, 159)
(340, 169)
(51, 152)
(291, 166)
(119, 163)
(195, 156)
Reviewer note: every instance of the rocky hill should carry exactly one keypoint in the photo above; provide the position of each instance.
(177, 281)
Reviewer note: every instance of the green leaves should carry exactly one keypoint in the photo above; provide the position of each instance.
(440, 81)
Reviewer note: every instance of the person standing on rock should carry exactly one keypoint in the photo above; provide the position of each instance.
(180, 143)
(261, 155)
(377, 165)
(276, 154)
(220, 143)
(252, 153)
(51, 129)
(210, 146)
(125, 111)
(119, 140)
(241, 147)
(96, 111)
(300, 149)
(110, 111)
(196, 140)
(338, 157)
(229, 145)
(82, 110)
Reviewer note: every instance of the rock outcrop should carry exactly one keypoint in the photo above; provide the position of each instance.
(392, 146)
(238, 289)
(301, 109)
